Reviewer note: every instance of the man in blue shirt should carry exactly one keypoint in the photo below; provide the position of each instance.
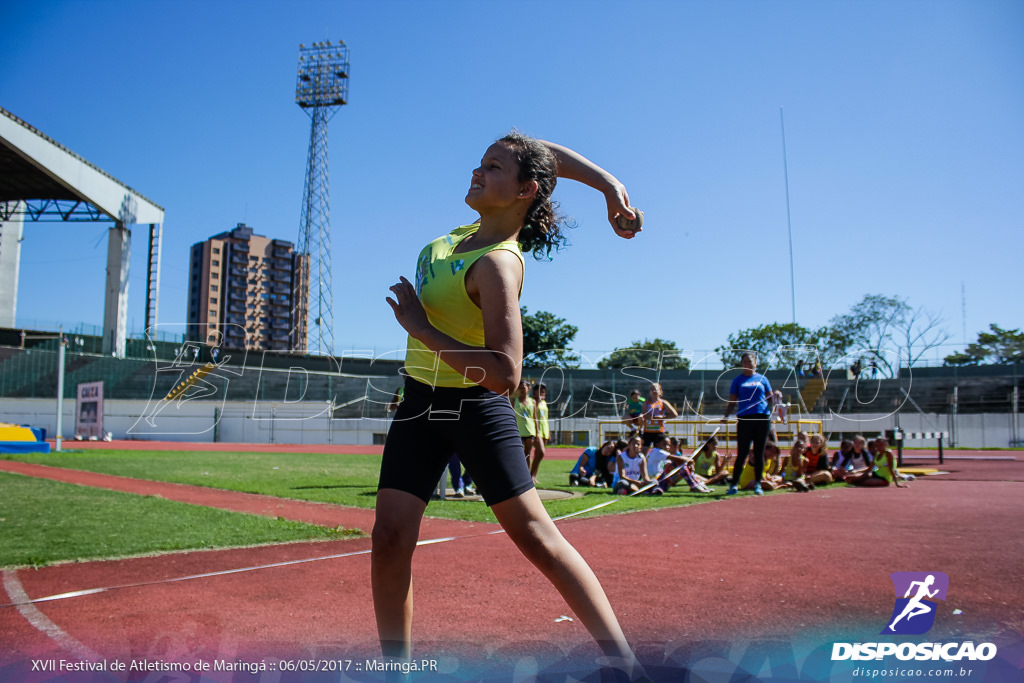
(750, 396)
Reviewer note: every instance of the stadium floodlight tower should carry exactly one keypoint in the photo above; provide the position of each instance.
(321, 88)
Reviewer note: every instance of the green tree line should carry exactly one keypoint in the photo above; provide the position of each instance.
(879, 331)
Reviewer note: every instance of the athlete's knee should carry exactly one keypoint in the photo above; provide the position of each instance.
(541, 545)
(391, 540)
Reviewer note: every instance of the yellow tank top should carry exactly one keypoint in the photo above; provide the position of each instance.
(882, 467)
(441, 286)
(793, 469)
(747, 475)
(704, 463)
(525, 417)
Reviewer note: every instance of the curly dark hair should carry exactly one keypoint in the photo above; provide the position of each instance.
(542, 228)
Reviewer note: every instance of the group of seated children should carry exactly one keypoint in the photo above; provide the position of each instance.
(628, 467)
(804, 467)
(859, 463)
(867, 463)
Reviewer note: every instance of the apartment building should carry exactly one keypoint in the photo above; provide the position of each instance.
(243, 292)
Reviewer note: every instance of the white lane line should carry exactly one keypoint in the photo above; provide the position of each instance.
(18, 596)
(40, 621)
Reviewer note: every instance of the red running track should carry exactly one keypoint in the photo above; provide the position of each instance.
(757, 586)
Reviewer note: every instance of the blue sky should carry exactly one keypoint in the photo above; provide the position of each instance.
(904, 133)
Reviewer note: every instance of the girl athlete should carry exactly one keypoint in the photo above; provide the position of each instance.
(464, 359)
(841, 460)
(709, 465)
(655, 411)
(669, 468)
(860, 459)
(632, 415)
(526, 416)
(540, 394)
(747, 480)
(631, 472)
(816, 468)
(585, 472)
(793, 466)
(883, 472)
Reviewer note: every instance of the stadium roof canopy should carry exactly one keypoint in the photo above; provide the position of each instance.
(54, 183)
(42, 180)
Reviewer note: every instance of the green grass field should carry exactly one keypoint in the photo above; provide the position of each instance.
(44, 521)
(328, 478)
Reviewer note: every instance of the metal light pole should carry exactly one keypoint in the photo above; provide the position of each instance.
(321, 89)
(789, 223)
(60, 387)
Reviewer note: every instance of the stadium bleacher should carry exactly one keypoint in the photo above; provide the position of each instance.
(31, 372)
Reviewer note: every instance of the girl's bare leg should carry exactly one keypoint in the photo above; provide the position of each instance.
(396, 530)
(538, 455)
(528, 448)
(857, 478)
(719, 478)
(820, 478)
(531, 529)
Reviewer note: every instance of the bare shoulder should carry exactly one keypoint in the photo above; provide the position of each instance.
(496, 271)
(502, 263)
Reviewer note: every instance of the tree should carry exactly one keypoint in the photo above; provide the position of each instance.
(870, 325)
(660, 354)
(889, 331)
(885, 330)
(546, 340)
(777, 345)
(919, 332)
(996, 346)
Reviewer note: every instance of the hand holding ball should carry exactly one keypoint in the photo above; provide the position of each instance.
(633, 225)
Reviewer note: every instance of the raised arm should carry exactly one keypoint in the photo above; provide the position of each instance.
(575, 166)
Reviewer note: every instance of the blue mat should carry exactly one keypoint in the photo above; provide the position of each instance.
(24, 447)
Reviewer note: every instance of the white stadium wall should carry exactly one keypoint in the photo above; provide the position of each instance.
(309, 423)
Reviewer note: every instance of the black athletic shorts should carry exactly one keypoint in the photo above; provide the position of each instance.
(431, 424)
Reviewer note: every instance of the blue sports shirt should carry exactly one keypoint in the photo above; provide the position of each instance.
(588, 469)
(752, 393)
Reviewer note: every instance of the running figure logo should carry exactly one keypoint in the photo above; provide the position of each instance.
(914, 612)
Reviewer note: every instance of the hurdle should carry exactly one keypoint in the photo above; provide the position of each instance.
(690, 432)
(899, 435)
